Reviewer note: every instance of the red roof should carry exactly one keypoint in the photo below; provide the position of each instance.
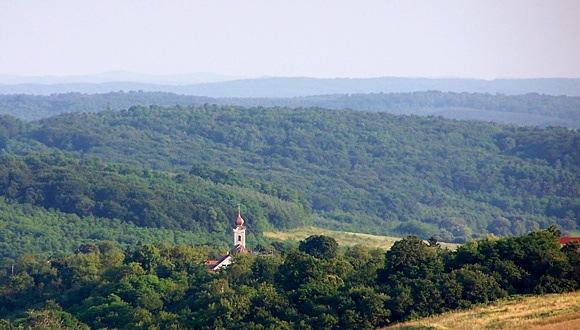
(212, 263)
(566, 239)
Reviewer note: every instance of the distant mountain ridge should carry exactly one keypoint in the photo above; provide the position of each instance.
(119, 76)
(304, 86)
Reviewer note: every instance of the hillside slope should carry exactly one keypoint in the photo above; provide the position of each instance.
(549, 312)
(525, 110)
(29, 230)
(144, 198)
(370, 172)
(51, 203)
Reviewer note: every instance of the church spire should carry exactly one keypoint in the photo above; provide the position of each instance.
(240, 232)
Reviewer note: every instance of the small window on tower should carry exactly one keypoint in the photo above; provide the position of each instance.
(239, 238)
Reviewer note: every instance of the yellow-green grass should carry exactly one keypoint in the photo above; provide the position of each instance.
(343, 238)
(553, 311)
(572, 232)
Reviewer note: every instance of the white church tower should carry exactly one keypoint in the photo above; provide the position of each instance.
(239, 246)
(240, 232)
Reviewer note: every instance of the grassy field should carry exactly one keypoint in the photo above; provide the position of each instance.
(554, 311)
(572, 233)
(342, 237)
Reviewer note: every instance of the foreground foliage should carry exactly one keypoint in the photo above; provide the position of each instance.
(103, 286)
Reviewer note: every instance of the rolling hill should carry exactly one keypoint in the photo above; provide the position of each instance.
(33, 230)
(52, 203)
(359, 171)
(524, 110)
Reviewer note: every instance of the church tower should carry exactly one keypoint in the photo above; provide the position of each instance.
(240, 232)
(239, 246)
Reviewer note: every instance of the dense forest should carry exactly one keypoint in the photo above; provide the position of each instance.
(176, 208)
(360, 171)
(32, 107)
(317, 286)
(525, 110)
(31, 230)
(528, 109)
(144, 198)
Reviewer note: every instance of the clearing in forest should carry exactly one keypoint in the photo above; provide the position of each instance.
(344, 238)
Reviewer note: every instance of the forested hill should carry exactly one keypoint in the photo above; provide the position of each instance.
(529, 109)
(32, 107)
(525, 110)
(361, 171)
(51, 203)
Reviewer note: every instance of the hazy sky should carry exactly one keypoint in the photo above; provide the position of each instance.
(484, 39)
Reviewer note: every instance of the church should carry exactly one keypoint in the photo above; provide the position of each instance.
(238, 247)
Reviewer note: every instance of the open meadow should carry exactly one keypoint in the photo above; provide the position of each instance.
(344, 238)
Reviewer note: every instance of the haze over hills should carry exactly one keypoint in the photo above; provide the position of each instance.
(304, 86)
(524, 110)
(350, 168)
(119, 76)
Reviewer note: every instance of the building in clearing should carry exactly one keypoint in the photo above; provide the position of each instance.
(239, 245)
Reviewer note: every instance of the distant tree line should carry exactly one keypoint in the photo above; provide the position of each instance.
(527, 109)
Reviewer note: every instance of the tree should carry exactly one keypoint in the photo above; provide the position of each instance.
(51, 317)
(319, 246)
(298, 268)
(478, 287)
(264, 269)
(148, 256)
(364, 308)
(410, 258)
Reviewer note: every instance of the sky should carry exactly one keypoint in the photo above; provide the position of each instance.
(468, 38)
